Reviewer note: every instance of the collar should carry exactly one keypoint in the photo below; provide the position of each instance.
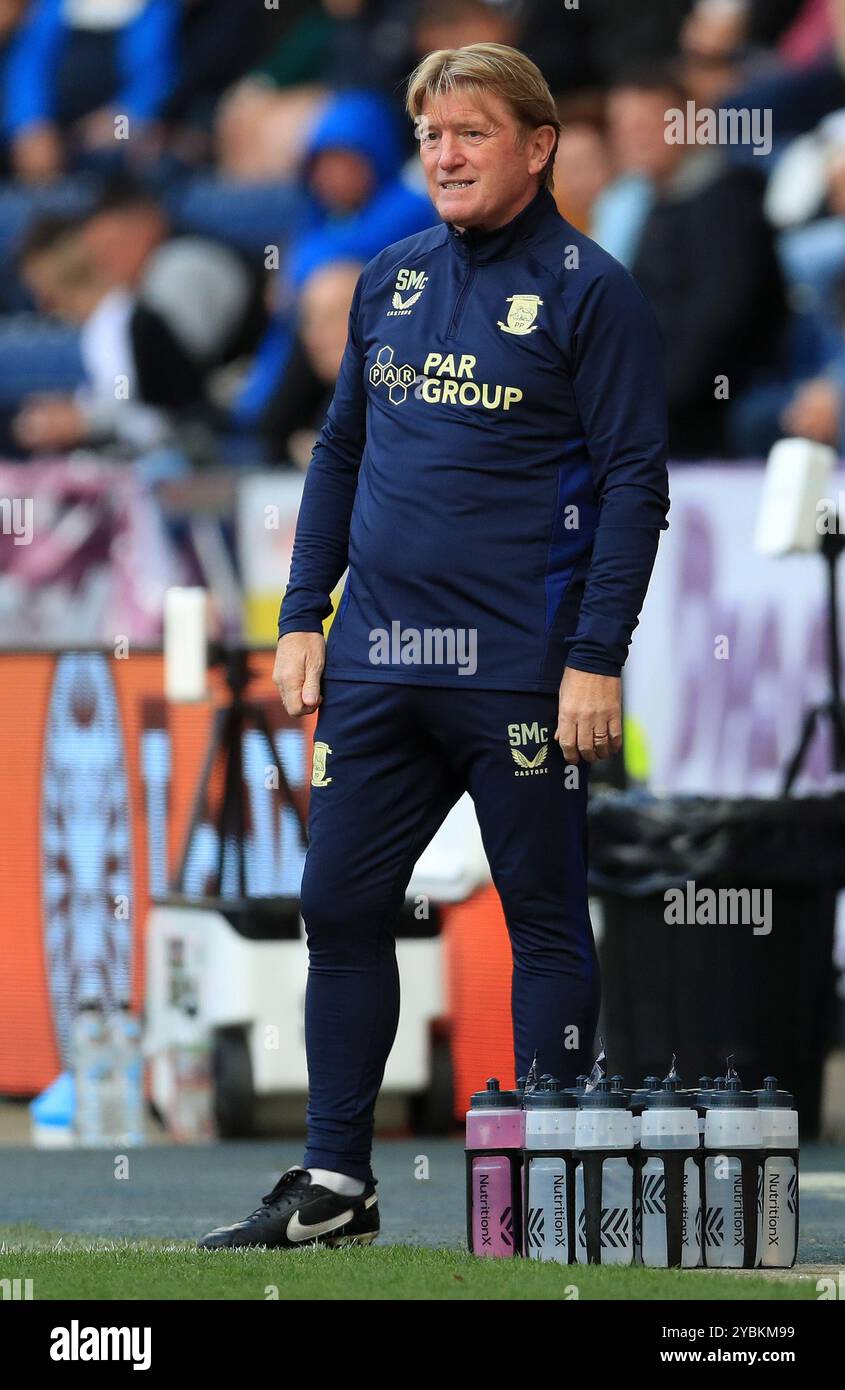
(495, 245)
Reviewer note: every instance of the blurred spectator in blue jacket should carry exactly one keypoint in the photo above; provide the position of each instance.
(357, 205)
(77, 65)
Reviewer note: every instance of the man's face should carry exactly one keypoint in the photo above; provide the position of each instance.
(480, 166)
(341, 179)
(637, 127)
(324, 316)
(61, 281)
(120, 240)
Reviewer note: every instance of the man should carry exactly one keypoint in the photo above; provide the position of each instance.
(198, 304)
(492, 468)
(59, 271)
(706, 260)
(158, 311)
(355, 202)
(298, 407)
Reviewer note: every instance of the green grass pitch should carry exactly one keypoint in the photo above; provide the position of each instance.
(79, 1268)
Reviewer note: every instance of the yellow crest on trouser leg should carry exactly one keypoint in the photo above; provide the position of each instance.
(318, 765)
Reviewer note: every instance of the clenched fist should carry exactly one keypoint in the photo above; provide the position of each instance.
(300, 659)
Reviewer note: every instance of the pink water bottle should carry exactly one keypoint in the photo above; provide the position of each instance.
(494, 1140)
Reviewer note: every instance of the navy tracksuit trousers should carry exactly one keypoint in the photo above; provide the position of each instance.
(390, 762)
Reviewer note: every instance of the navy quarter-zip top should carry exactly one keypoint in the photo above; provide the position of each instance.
(493, 460)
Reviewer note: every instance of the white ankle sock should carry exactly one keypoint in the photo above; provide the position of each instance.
(337, 1182)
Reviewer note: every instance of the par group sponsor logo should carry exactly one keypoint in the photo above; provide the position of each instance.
(444, 380)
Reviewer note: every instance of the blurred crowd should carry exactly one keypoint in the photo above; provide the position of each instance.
(189, 189)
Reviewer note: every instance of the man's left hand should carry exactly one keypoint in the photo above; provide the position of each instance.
(589, 719)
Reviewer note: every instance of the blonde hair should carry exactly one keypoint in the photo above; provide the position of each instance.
(485, 68)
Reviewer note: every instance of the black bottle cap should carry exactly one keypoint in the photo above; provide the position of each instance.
(578, 1088)
(494, 1099)
(549, 1095)
(671, 1096)
(733, 1096)
(770, 1098)
(603, 1097)
(640, 1097)
(700, 1097)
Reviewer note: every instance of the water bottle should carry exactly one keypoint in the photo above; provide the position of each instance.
(89, 1061)
(701, 1099)
(637, 1104)
(670, 1180)
(779, 1140)
(494, 1142)
(604, 1177)
(639, 1100)
(732, 1178)
(190, 1112)
(549, 1173)
(127, 1076)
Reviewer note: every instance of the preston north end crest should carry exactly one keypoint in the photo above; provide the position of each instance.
(318, 766)
(521, 314)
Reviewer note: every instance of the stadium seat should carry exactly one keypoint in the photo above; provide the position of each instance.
(37, 356)
(247, 216)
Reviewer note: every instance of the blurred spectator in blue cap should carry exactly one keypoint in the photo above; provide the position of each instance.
(357, 205)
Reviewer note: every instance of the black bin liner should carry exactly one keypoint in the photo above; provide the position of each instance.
(705, 991)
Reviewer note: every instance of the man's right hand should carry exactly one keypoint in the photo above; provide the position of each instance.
(299, 664)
